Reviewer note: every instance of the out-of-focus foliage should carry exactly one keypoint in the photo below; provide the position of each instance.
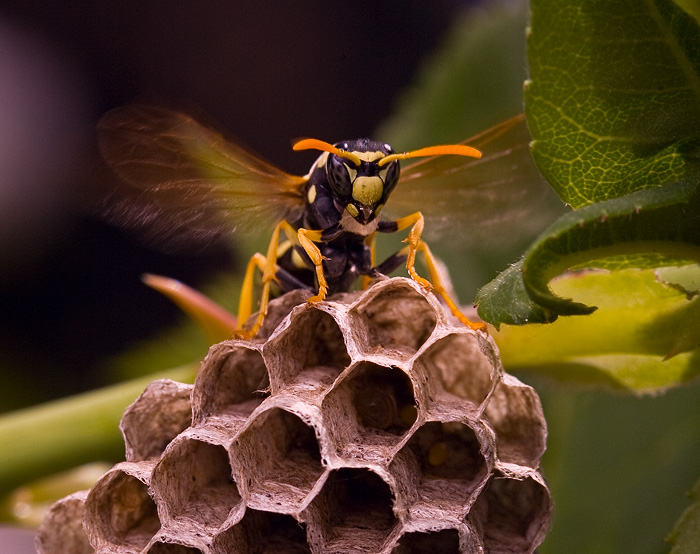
(613, 102)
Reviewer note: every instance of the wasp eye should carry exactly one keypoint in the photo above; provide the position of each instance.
(390, 176)
(340, 175)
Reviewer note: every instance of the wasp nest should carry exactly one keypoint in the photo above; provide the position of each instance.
(368, 423)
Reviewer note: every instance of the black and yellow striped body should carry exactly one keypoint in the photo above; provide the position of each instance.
(344, 202)
(187, 176)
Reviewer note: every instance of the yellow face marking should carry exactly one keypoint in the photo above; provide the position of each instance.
(311, 195)
(318, 164)
(322, 160)
(352, 210)
(352, 172)
(369, 156)
(367, 190)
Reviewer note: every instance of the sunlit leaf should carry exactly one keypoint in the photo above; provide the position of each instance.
(648, 228)
(643, 338)
(686, 278)
(660, 221)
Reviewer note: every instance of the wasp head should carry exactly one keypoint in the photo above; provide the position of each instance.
(360, 183)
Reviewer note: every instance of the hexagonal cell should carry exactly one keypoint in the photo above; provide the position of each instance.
(513, 515)
(451, 465)
(277, 310)
(193, 483)
(233, 380)
(310, 353)
(373, 404)
(280, 458)
(179, 540)
(262, 532)
(119, 510)
(393, 315)
(354, 510)
(62, 528)
(161, 547)
(155, 418)
(456, 364)
(515, 413)
(443, 541)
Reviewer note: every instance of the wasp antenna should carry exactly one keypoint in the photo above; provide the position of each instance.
(445, 149)
(315, 144)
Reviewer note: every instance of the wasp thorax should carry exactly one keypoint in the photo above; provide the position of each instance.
(368, 423)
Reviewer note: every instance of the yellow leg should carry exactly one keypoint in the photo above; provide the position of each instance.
(306, 238)
(371, 241)
(245, 303)
(415, 244)
(268, 266)
(413, 240)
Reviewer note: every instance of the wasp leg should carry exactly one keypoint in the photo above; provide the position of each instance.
(371, 241)
(306, 239)
(390, 264)
(245, 302)
(269, 268)
(270, 271)
(413, 240)
(291, 269)
(439, 287)
(415, 243)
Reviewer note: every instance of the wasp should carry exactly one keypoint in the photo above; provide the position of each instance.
(323, 224)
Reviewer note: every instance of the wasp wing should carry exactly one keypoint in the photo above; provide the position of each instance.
(183, 181)
(473, 200)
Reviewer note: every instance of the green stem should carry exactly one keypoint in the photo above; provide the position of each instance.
(62, 434)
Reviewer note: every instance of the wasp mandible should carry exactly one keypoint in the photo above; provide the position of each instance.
(329, 218)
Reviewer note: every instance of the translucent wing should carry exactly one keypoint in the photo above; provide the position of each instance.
(185, 181)
(474, 200)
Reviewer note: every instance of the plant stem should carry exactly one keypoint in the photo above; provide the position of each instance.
(52, 437)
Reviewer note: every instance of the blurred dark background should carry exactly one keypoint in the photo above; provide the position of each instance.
(266, 72)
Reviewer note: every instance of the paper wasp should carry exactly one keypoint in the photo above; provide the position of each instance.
(188, 176)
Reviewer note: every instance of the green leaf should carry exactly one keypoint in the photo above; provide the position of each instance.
(690, 6)
(659, 221)
(505, 300)
(643, 338)
(614, 107)
(686, 278)
(685, 536)
(648, 228)
(613, 100)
